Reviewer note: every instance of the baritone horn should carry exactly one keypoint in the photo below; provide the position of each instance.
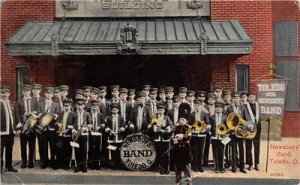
(221, 129)
(234, 120)
(199, 126)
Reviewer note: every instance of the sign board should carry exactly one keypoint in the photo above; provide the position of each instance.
(271, 96)
(132, 8)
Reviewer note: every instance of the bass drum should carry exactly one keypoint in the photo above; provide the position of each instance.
(137, 152)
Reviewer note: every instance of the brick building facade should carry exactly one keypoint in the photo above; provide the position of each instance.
(197, 72)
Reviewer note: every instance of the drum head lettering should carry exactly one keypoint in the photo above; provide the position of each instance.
(137, 152)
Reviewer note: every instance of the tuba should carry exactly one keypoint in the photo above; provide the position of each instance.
(199, 126)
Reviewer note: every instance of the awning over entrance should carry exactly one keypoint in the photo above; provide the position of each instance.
(159, 36)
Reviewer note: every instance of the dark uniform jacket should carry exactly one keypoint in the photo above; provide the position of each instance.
(110, 128)
(166, 127)
(214, 126)
(53, 110)
(4, 123)
(69, 122)
(21, 108)
(203, 117)
(146, 117)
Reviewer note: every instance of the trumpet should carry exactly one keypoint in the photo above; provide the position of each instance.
(199, 126)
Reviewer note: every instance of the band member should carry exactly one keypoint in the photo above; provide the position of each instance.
(131, 97)
(173, 115)
(218, 92)
(87, 92)
(182, 94)
(79, 94)
(104, 103)
(125, 106)
(65, 126)
(182, 149)
(237, 107)
(190, 97)
(227, 99)
(141, 114)
(146, 89)
(201, 96)
(57, 98)
(49, 134)
(217, 120)
(94, 93)
(227, 103)
(160, 129)
(64, 92)
(36, 91)
(174, 112)
(152, 103)
(115, 93)
(244, 97)
(198, 136)
(80, 132)
(169, 96)
(26, 106)
(253, 110)
(115, 127)
(9, 121)
(161, 95)
(95, 138)
(211, 99)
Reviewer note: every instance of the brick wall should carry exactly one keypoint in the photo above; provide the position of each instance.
(14, 14)
(288, 11)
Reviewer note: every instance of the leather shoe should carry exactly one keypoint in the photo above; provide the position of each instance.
(233, 171)
(84, 170)
(30, 165)
(161, 171)
(167, 172)
(76, 170)
(249, 167)
(243, 171)
(217, 171)
(222, 170)
(44, 166)
(256, 168)
(195, 170)
(11, 169)
(200, 170)
(23, 165)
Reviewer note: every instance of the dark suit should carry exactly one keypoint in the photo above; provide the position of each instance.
(198, 142)
(64, 150)
(49, 135)
(23, 112)
(162, 142)
(254, 108)
(207, 141)
(115, 140)
(81, 152)
(105, 106)
(146, 117)
(127, 112)
(9, 120)
(218, 147)
(96, 142)
(237, 142)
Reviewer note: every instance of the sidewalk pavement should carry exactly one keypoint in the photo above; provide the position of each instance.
(283, 163)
